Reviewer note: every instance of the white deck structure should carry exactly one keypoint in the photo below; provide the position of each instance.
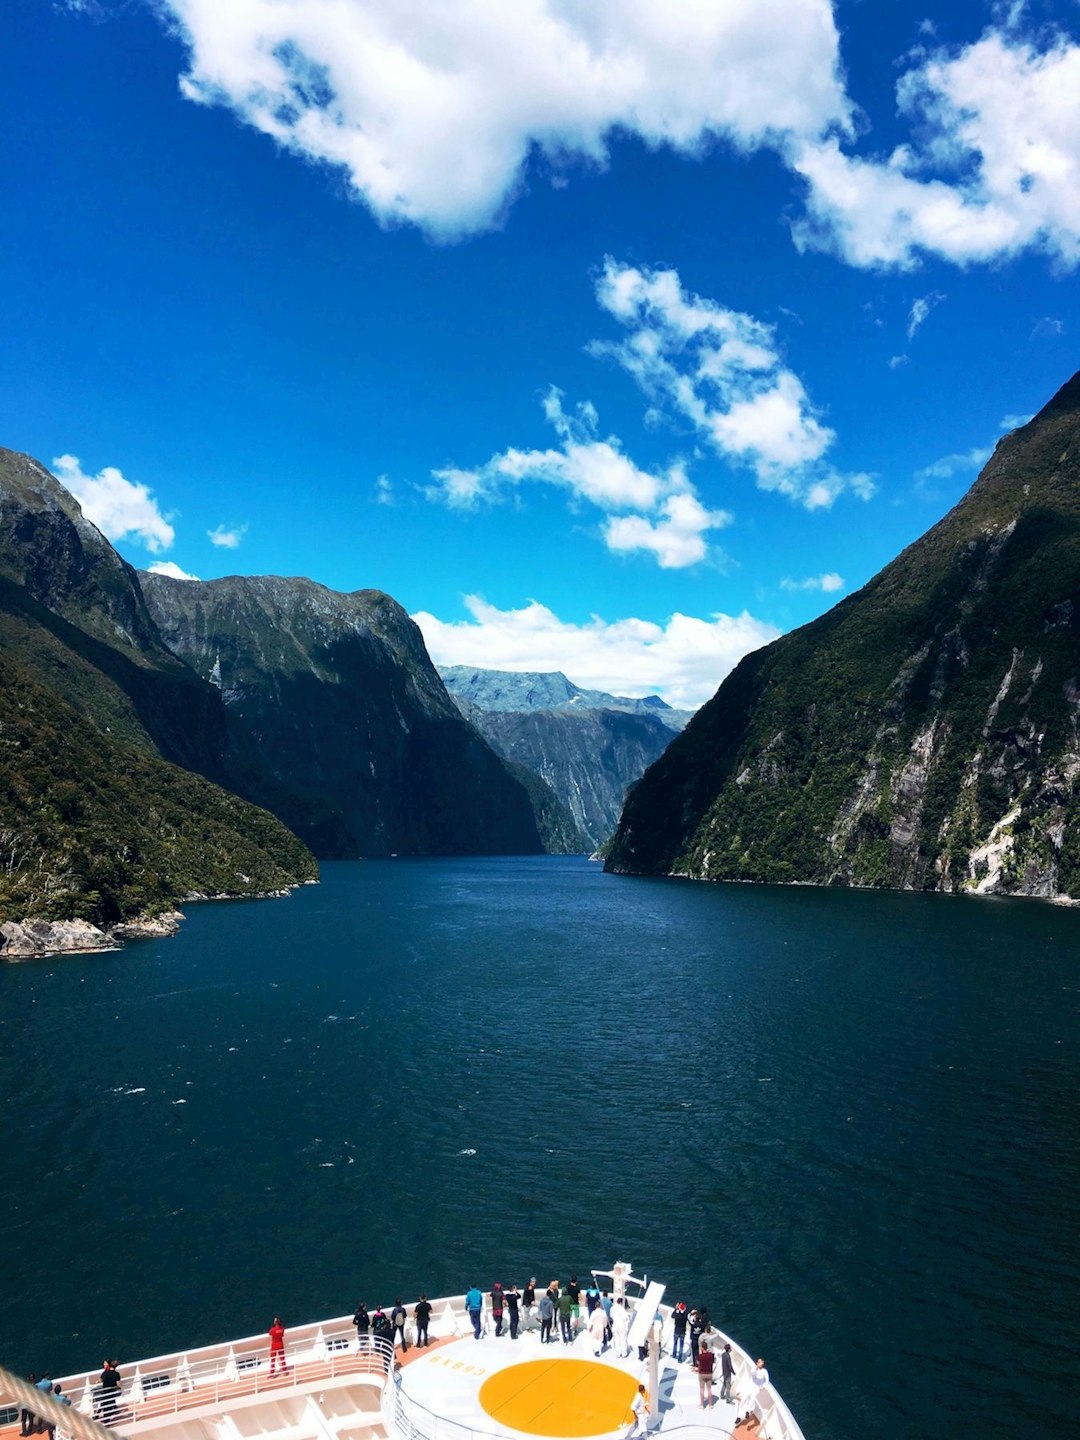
(331, 1390)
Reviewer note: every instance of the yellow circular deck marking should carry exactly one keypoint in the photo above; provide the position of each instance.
(559, 1397)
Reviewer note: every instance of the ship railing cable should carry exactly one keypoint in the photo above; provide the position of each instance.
(67, 1421)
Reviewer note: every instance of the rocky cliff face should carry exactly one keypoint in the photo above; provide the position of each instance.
(346, 708)
(588, 746)
(95, 824)
(925, 733)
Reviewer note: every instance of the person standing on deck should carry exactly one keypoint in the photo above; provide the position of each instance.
(566, 1311)
(605, 1304)
(705, 1362)
(422, 1316)
(597, 1327)
(528, 1300)
(512, 1298)
(27, 1418)
(497, 1306)
(382, 1332)
(760, 1380)
(45, 1384)
(592, 1296)
(679, 1319)
(620, 1328)
(277, 1346)
(474, 1304)
(727, 1371)
(362, 1321)
(697, 1325)
(640, 1411)
(109, 1392)
(575, 1298)
(547, 1317)
(398, 1317)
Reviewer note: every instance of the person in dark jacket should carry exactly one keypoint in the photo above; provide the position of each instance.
(497, 1306)
(382, 1333)
(727, 1372)
(512, 1298)
(547, 1317)
(362, 1321)
(697, 1325)
(422, 1316)
(398, 1317)
(679, 1321)
(566, 1315)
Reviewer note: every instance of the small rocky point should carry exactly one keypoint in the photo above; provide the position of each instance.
(25, 939)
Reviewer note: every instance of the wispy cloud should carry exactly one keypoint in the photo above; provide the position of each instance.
(683, 660)
(668, 519)
(920, 310)
(895, 361)
(1048, 327)
(120, 508)
(828, 583)
(963, 463)
(721, 370)
(170, 568)
(384, 491)
(227, 537)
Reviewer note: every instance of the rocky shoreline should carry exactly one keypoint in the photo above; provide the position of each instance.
(36, 939)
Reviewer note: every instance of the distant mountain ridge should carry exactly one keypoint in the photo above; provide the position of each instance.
(924, 733)
(587, 745)
(525, 690)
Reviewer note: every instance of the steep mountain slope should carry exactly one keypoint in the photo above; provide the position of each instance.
(347, 709)
(925, 733)
(94, 823)
(588, 746)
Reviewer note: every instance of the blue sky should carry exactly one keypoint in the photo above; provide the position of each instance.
(608, 337)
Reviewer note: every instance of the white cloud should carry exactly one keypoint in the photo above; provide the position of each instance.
(827, 583)
(895, 361)
(431, 110)
(384, 490)
(721, 370)
(920, 309)
(683, 661)
(1049, 325)
(226, 537)
(674, 522)
(170, 568)
(995, 169)
(120, 508)
(959, 464)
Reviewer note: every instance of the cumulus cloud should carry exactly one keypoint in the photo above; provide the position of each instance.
(170, 568)
(721, 370)
(827, 583)
(432, 110)
(683, 660)
(670, 521)
(995, 168)
(120, 508)
(227, 537)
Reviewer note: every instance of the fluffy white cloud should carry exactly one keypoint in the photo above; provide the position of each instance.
(682, 661)
(995, 170)
(721, 370)
(827, 583)
(120, 508)
(431, 110)
(227, 537)
(170, 568)
(674, 522)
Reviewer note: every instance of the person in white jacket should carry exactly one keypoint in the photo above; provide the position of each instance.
(620, 1328)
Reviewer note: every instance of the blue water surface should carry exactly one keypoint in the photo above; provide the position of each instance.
(845, 1121)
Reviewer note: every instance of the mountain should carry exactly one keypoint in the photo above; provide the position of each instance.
(346, 710)
(587, 745)
(100, 725)
(924, 733)
(528, 690)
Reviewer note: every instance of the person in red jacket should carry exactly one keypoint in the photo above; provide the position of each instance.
(705, 1362)
(277, 1346)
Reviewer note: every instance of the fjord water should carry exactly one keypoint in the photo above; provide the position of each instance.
(846, 1121)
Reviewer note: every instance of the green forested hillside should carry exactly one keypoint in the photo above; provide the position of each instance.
(921, 734)
(93, 828)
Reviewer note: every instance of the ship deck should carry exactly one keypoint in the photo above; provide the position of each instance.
(457, 1388)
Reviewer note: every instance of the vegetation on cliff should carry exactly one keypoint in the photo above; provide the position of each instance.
(93, 828)
(925, 733)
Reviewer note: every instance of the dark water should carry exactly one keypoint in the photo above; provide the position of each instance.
(845, 1121)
